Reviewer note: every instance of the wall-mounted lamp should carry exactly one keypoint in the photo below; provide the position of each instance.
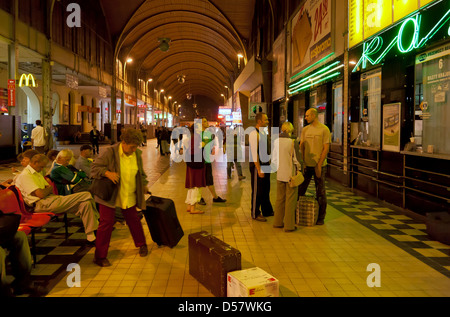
(239, 60)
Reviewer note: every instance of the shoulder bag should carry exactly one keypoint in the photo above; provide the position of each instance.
(297, 177)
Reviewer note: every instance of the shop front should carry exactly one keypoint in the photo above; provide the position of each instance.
(399, 109)
(316, 77)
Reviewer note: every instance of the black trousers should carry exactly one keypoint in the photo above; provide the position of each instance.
(260, 193)
(95, 146)
(321, 194)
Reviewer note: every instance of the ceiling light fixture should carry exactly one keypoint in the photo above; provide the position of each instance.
(164, 44)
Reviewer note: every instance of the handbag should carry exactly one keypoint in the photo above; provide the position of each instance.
(103, 188)
(298, 178)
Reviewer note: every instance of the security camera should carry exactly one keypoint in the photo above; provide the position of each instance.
(181, 79)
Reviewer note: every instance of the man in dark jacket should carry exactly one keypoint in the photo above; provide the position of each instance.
(94, 136)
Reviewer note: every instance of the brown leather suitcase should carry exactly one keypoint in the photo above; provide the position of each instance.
(210, 260)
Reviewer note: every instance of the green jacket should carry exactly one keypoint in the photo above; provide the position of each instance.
(65, 177)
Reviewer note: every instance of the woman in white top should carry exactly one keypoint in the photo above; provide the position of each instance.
(284, 159)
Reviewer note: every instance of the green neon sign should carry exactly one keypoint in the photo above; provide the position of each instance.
(322, 70)
(308, 68)
(309, 84)
(406, 40)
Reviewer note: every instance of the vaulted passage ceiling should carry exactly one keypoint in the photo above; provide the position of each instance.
(206, 37)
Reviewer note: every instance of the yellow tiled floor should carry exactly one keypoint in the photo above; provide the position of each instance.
(329, 260)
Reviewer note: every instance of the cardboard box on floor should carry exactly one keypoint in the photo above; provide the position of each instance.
(253, 282)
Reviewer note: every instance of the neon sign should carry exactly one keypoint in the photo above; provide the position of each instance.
(317, 77)
(404, 43)
(29, 81)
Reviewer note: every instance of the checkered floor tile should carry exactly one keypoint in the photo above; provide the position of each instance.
(407, 233)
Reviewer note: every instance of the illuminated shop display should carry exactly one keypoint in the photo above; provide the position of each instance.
(368, 17)
(410, 36)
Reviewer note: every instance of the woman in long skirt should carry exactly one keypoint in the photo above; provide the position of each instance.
(195, 175)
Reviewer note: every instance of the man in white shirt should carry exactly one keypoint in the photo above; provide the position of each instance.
(260, 170)
(38, 136)
(38, 193)
(315, 144)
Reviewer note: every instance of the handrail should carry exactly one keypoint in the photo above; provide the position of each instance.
(425, 171)
(388, 174)
(422, 192)
(429, 183)
(364, 159)
(387, 183)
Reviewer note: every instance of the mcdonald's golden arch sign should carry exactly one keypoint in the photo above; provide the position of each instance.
(27, 80)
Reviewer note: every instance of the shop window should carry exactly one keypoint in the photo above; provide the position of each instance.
(318, 100)
(418, 98)
(370, 109)
(432, 94)
(338, 113)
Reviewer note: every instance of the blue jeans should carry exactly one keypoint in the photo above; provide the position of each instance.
(321, 194)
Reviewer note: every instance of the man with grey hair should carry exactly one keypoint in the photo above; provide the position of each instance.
(38, 194)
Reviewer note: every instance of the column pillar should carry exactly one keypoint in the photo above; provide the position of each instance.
(113, 106)
(47, 111)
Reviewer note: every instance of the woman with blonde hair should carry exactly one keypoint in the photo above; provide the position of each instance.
(286, 163)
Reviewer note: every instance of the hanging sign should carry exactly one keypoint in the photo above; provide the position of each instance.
(11, 92)
(256, 107)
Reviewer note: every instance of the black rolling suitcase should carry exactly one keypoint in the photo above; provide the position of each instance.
(162, 220)
(210, 260)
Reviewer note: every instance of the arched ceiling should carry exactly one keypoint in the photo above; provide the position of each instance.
(206, 37)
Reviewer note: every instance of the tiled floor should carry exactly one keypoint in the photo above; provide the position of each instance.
(329, 260)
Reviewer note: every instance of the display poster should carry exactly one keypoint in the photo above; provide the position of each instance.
(3, 100)
(279, 60)
(65, 117)
(391, 127)
(311, 34)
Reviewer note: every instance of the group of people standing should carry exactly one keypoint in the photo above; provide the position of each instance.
(199, 173)
(314, 146)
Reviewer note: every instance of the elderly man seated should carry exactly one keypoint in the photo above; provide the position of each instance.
(84, 161)
(67, 178)
(37, 193)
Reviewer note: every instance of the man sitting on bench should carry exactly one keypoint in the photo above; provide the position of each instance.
(38, 194)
